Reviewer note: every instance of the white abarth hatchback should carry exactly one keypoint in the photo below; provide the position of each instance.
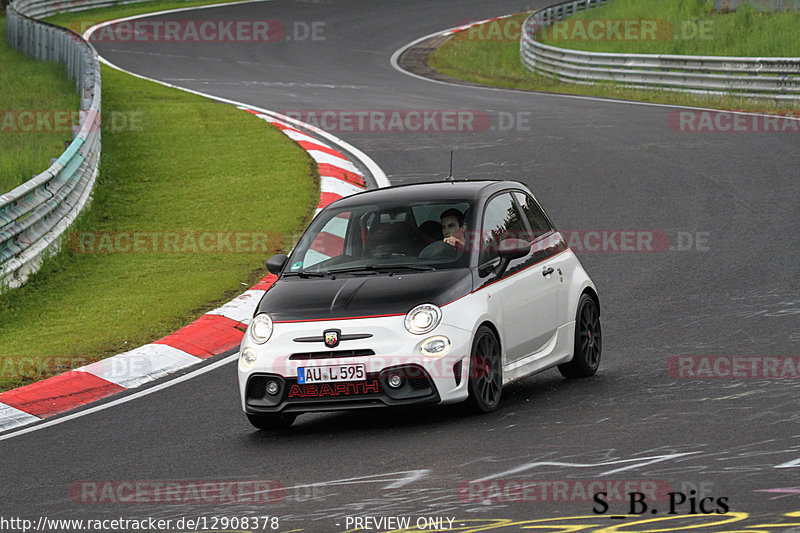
(429, 293)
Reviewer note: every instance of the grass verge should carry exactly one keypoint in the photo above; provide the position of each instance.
(174, 166)
(684, 27)
(29, 87)
(488, 54)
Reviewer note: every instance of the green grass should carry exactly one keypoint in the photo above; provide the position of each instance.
(83, 20)
(489, 55)
(685, 27)
(171, 162)
(29, 85)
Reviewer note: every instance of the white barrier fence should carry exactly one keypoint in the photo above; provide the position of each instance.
(776, 78)
(35, 215)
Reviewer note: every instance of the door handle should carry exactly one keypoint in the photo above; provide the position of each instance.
(547, 271)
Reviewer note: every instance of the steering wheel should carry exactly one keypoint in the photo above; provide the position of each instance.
(439, 250)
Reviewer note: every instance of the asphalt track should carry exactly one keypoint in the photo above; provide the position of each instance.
(594, 165)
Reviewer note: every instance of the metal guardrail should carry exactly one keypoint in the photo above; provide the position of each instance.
(34, 216)
(775, 78)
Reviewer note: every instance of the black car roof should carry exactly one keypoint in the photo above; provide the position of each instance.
(432, 190)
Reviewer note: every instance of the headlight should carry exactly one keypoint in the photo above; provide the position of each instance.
(435, 346)
(248, 357)
(423, 319)
(261, 328)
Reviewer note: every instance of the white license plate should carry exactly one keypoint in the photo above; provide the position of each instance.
(327, 374)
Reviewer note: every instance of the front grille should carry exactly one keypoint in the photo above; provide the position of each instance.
(330, 354)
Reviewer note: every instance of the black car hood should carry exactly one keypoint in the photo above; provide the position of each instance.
(350, 296)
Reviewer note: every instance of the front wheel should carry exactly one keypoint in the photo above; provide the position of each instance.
(271, 421)
(485, 372)
(588, 341)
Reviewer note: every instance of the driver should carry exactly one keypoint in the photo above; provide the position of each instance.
(453, 228)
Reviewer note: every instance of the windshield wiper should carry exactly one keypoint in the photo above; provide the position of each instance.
(361, 268)
(409, 267)
(305, 274)
(379, 268)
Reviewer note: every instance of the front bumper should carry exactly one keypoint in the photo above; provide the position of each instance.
(385, 348)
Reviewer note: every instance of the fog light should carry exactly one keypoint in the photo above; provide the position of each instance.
(273, 387)
(435, 346)
(395, 381)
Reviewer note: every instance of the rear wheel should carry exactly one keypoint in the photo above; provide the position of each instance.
(485, 372)
(588, 341)
(271, 421)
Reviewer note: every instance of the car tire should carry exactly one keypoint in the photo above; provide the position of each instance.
(588, 341)
(271, 421)
(485, 383)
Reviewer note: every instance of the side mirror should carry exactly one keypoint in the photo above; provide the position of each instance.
(276, 263)
(514, 249)
(509, 250)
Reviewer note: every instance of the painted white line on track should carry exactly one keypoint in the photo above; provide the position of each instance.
(632, 464)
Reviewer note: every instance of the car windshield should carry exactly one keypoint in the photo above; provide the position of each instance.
(426, 235)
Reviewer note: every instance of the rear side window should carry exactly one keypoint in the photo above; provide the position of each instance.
(536, 217)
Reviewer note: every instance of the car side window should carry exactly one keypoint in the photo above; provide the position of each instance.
(536, 217)
(501, 220)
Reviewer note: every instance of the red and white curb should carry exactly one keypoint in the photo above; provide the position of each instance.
(338, 177)
(216, 332)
